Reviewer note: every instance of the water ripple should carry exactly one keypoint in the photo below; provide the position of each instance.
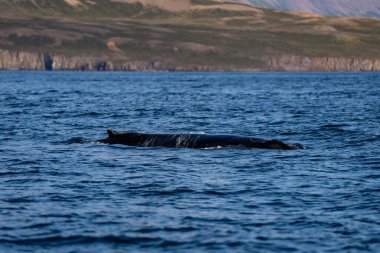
(62, 191)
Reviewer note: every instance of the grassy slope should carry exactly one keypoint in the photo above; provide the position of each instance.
(216, 37)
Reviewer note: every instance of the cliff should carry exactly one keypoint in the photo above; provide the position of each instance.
(42, 61)
(21, 60)
(302, 63)
(13, 60)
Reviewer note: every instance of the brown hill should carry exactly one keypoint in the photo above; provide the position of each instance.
(180, 35)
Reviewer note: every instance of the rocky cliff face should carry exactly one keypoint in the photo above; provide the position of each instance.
(62, 63)
(39, 61)
(301, 63)
(10, 60)
(21, 60)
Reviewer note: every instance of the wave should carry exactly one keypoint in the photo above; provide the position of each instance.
(75, 140)
(72, 240)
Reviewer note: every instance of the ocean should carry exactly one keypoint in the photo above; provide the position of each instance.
(62, 191)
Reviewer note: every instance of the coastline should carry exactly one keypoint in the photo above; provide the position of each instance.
(25, 60)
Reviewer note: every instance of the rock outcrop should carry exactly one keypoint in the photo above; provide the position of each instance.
(302, 63)
(10, 60)
(21, 60)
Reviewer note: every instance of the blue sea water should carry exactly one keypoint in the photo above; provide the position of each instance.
(61, 191)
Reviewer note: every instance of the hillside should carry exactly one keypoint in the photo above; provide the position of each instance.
(179, 35)
(362, 8)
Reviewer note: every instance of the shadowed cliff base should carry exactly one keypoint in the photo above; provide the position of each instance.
(196, 36)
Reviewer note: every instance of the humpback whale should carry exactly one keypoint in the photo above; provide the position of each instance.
(193, 141)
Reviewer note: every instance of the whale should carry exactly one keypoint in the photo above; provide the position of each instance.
(195, 141)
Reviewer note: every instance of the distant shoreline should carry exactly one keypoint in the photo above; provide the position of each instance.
(24, 60)
(171, 35)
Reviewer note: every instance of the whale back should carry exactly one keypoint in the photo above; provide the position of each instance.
(111, 133)
(125, 138)
(193, 141)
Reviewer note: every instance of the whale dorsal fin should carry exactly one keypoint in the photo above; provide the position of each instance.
(111, 133)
